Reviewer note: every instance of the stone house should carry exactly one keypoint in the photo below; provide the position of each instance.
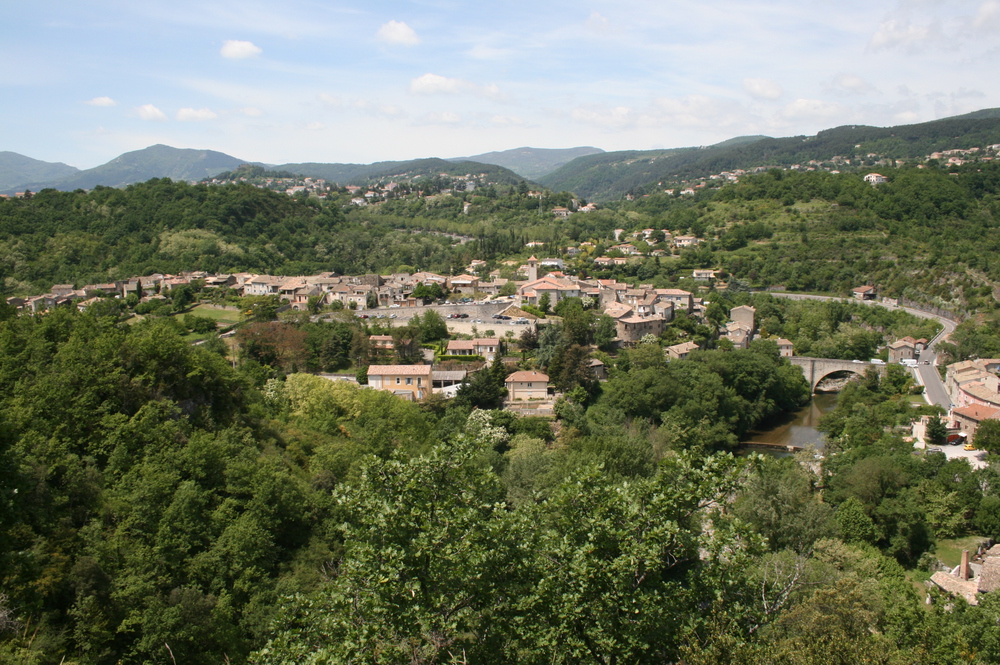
(681, 351)
(410, 382)
(967, 418)
(526, 385)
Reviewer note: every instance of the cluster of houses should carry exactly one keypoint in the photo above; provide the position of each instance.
(973, 576)
(974, 388)
(637, 311)
(415, 382)
(310, 186)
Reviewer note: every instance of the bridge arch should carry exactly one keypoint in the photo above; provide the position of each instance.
(817, 369)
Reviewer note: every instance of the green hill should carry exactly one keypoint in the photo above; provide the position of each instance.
(157, 161)
(357, 174)
(531, 163)
(611, 175)
(17, 170)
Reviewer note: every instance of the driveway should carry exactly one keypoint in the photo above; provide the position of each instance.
(978, 459)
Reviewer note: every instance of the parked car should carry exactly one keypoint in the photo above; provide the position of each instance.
(969, 446)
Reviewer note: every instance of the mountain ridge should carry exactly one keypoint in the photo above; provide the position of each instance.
(594, 174)
(531, 163)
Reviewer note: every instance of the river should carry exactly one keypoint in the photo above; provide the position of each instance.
(799, 428)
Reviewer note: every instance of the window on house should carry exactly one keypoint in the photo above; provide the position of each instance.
(409, 380)
(397, 381)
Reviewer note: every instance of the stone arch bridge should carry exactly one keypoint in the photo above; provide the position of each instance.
(817, 369)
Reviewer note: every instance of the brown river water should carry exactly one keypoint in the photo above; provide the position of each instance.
(799, 428)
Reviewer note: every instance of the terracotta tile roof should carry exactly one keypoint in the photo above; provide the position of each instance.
(955, 586)
(978, 412)
(398, 370)
(527, 376)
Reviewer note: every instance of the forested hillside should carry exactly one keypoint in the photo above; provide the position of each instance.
(359, 174)
(927, 234)
(156, 161)
(162, 226)
(162, 506)
(610, 175)
(17, 169)
(530, 163)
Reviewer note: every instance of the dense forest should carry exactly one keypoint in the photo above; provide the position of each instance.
(606, 176)
(169, 502)
(160, 504)
(928, 235)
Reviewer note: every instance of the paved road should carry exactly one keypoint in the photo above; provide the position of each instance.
(928, 375)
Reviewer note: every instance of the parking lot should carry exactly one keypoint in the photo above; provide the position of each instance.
(977, 458)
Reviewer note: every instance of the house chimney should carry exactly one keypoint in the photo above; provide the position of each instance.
(963, 572)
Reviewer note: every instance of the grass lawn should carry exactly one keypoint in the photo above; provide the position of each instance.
(950, 551)
(224, 317)
(918, 578)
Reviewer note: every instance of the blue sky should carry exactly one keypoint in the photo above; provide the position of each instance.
(84, 81)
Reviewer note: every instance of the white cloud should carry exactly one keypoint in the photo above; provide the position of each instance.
(433, 84)
(483, 52)
(331, 100)
(443, 118)
(507, 121)
(849, 84)
(251, 112)
(235, 49)
(698, 111)
(988, 16)
(101, 101)
(613, 118)
(814, 109)
(150, 112)
(762, 88)
(906, 117)
(315, 126)
(430, 84)
(900, 33)
(397, 32)
(188, 115)
(375, 109)
(598, 22)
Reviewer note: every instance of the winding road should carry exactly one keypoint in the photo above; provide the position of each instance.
(928, 375)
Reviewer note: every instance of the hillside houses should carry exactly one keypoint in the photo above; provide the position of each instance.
(637, 310)
(974, 383)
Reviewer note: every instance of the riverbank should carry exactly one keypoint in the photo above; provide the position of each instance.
(798, 429)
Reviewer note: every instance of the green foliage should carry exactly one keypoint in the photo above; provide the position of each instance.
(484, 389)
(988, 436)
(599, 572)
(781, 503)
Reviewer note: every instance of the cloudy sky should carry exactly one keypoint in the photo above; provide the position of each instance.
(365, 81)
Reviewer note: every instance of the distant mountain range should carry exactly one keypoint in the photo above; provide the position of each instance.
(18, 172)
(612, 174)
(531, 163)
(17, 169)
(589, 172)
(356, 174)
(157, 161)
